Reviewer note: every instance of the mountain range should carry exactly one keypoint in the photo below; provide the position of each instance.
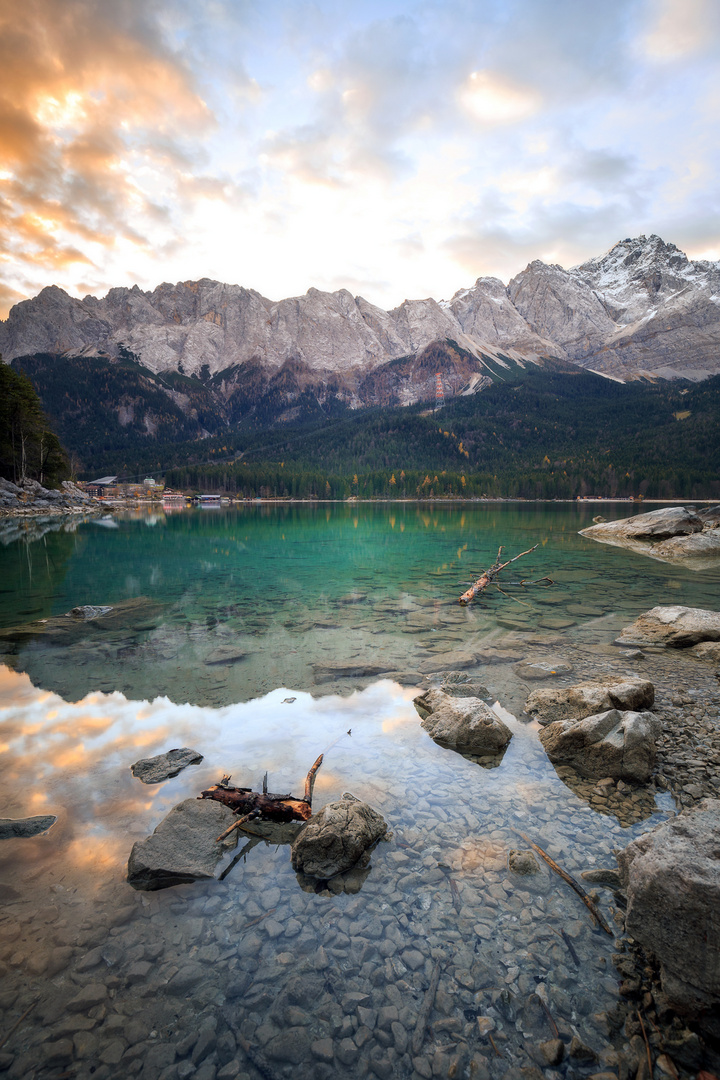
(642, 309)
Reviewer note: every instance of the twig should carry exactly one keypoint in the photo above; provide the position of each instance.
(647, 1045)
(457, 902)
(492, 1043)
(240, 855)
(570, 946)
(254, 922)
(523, 602)
(670, 1061)
(425, 1009)
(17, 1023)
(256, 1059)
(589, 904)
(310, 778)
(553, 1025)
(235, 825)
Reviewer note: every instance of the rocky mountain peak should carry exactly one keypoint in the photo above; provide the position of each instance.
(641, 306)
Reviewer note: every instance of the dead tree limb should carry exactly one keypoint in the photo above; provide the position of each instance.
(488, 576)
(254, 804)
(589, 904)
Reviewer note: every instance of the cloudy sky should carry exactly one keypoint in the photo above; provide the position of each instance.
(396, 148)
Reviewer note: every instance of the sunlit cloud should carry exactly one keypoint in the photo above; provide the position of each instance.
(495, 100)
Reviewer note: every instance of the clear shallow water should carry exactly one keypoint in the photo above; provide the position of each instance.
(257, 955)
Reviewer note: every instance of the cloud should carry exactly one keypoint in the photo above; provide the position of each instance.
(681, 28)
(87, 91)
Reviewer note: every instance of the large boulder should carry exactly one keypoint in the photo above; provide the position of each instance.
(672, 627)
(336, 838)
(183, 848)
(672, 878)
(465, 724)
(586, 699)
(156, 769)
(612, 743)
(656, 525)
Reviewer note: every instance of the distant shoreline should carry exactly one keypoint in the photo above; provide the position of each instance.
(104, 507)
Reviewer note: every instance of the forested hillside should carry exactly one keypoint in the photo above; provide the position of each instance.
(545, 436)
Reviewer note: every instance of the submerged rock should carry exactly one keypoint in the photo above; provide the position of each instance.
(586, 699)
(542, 669)
(672, 878)
(183, 848)
(674, 534)
(673, 627)
(156, 769)
(523, 862)
(25, 827)
(337, 838)
(457, 684)
(616, 744)
(349, 669)
(465, 724)
(87, 612)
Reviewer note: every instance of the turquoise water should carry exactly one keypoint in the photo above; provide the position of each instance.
(226, 635)
(233, 603)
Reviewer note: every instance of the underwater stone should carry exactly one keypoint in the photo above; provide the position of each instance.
(163, 767)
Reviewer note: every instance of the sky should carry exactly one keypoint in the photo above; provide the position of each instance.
(397, 149)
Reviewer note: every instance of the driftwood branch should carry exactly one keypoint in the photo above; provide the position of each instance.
(488, 576)
(251, 804)
(589, 904)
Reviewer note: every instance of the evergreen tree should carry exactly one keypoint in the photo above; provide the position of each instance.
(29, 449)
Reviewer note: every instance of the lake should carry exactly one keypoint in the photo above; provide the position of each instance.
(258, 636)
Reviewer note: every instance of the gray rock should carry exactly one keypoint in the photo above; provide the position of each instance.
(291, 1045)
(183, 847)
(585, 699)
(349, 669)
(523, 862)
(465, 724)
(25, 827)
(542, 669)
(612, 743)
(672, 878)
(156, 769)
(87, 612)
(336, 838)
(452, 661)
(457, 684)
(707, 650)
(673, 627)
(656, 525)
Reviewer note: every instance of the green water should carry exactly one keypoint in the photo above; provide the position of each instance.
(233, 603)
(227, 629)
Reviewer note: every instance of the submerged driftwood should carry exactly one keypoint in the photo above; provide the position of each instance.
(488, 576)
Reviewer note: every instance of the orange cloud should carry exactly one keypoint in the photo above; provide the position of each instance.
(87, 94)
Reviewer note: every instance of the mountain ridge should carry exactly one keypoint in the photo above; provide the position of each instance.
(641, 308)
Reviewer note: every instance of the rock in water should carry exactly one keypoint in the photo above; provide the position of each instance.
(672, 627)
(25, 827)
(586, 699)
(337, 838)
(657, 525)
(465, 724)
(612, 743)
(87, 612)
(153, 770)
(672, 877)
(183, 848)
